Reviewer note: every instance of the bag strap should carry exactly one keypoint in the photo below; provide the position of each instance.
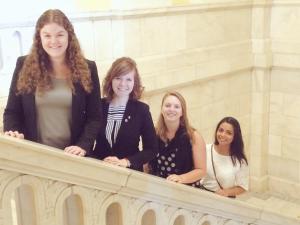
(213, 165)
(212, 161)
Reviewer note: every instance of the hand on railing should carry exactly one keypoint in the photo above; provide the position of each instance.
(75, 150)
(14, 134)
(175, 178)
(116, 161)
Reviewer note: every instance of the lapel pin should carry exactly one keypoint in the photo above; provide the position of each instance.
(127, 119)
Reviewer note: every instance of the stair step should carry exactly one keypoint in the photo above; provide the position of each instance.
(274, 204)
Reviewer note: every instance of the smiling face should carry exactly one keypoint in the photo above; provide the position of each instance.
(123, 85)
(54, 40)
(171, 109)
(225, 134)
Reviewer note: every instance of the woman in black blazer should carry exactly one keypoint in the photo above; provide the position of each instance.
(54, 94)
(125, 119)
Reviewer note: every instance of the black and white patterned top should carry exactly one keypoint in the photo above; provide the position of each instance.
(174, 157)
(114, 120)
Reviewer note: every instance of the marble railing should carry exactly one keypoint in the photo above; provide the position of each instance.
(42, 185)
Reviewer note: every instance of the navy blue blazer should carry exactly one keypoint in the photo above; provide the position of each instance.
(137, 122)
(20, 112)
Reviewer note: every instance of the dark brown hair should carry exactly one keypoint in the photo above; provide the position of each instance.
(237, 144)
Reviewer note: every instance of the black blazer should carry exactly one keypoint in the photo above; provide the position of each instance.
(137, 122)
(20, 112)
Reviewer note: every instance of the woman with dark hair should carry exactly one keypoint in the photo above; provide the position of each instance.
(181, 156)
(227, 165)
(54, 94)
(125, 119)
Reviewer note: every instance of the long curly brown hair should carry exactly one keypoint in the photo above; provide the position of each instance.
(37, 67)
(122, 66)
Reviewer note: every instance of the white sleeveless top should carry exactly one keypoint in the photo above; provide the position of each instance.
(228, 175)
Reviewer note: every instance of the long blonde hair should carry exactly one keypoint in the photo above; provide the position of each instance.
(35, 73)
(161, 128)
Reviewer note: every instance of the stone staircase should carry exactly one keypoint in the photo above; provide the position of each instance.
(274, 202)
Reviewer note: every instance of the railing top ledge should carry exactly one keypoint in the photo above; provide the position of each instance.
(39, 160)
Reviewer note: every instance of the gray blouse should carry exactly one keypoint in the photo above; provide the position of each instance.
(54, 115)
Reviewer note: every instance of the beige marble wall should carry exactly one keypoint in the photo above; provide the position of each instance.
(284, 130)
(176, 44)
(284, 118)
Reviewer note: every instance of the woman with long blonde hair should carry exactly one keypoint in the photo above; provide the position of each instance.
(181, 156)
(54, 97)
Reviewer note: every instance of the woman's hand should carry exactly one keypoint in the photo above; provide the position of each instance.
(75, 150)
(116, 161)
(14, 134)
(175, 178)
(223, 192)
(231, 192)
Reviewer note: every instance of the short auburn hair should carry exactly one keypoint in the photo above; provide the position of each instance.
(120, 67)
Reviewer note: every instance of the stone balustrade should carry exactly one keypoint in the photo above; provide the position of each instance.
(43, 185)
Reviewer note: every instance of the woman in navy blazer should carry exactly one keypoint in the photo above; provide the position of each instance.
(55, 55)
(125, 119)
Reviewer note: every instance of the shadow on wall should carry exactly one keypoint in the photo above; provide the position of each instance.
(13, 43)
(1, 55)
(23, 206)
(73, 210)
(11, 47)
(149, 218)
(114, 215)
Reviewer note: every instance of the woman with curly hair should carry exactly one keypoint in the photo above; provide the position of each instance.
(125, 119)
(54, 94)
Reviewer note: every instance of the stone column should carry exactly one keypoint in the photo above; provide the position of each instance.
(262, 61)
